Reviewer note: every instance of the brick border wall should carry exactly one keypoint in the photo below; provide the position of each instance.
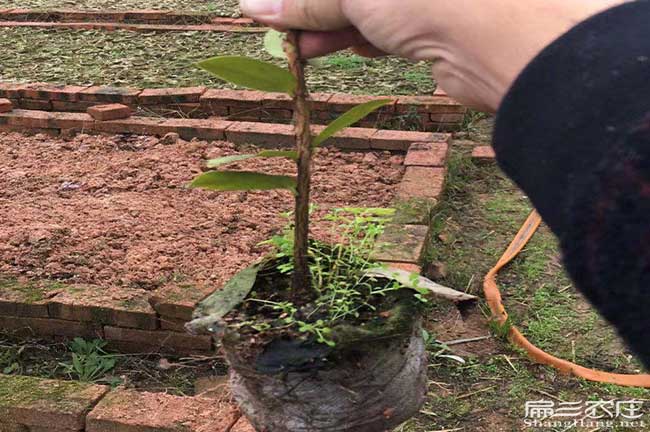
(156, 324)
(437, 113)
(29, 404)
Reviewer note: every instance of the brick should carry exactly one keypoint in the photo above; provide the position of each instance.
(72, 106)
(28, 119)
(61, 405)
(5, 105)
(427, 154)
(109, 112)
(413, 211)
(483, 154)
(275, 115)
(401, 243)
(49, 327)
(277, 100)
(428, 104)
(320, 101)
(421, 183)
(341, 102)
(243, 425)
(411, 268)
(124, 95)
(89, 303)
(24, 298)
(10, 90)
(34, 104)
(68, 120)
(51, 92)
(447, 118)
(233, 98)
(136, 126)
(172, 324)
(265, 135)
(210, 129)
(161, 340)
(184, 110)
(398, 140)
(170, 95)
(349, 138)
(132, 411)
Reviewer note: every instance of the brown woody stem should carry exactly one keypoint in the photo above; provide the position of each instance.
(301, 276)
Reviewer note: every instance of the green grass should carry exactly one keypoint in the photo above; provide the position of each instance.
(223, 7)
(168, 60)
(478, 217)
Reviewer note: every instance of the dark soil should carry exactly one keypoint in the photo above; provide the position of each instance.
(115, 212)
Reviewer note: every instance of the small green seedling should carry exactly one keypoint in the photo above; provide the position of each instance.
(258, 75)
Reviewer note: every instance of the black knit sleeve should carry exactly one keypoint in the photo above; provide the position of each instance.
(574, 133)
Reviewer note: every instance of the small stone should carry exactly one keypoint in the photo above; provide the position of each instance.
(370, 158)
(170, 139)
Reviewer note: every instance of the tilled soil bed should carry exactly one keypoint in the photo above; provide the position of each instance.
(115, 212)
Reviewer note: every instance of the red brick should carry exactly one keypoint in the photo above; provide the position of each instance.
(133, 411)
(209, 129)
(28, 119)
(320, 101)
(172, 324)
(411, 268)
(10, 90)
(261, 134)
(49, 327)
(72, 106)
(349, 138)
(185, 110)
(274, 115)
(427, 154)
(5, 105)
(401, 243)
(428, 104)
(161, 340)
(51, 92)
(422, 183)
(483, 154)
(170, 95)
(398, 140)
(341, 102)
(277, 100)
(233, 98)
(124, 95)
(109, 112)
(34, 104)
(61, 405)
(243, 21)
(68, 120)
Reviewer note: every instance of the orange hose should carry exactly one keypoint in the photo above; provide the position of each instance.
(499, 314)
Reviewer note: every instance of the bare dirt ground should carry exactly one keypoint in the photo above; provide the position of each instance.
(115, 211)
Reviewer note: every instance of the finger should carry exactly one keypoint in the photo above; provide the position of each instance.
(316, 44)
(368, 50)
(299, 14)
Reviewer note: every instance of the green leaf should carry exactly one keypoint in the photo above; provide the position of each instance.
(274, 44)
(289, 154)
(251, 73)
(357, 113)
(213, 308)
(242, 180)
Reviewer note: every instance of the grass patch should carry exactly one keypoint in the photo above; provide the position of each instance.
(477, 218)
(125, 58)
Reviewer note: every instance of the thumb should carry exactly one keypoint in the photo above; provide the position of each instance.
(297, 14)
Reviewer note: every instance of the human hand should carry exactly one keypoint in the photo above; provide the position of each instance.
(478, 47)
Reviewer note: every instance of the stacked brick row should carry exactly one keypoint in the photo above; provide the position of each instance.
(29, 404)
(427, 113)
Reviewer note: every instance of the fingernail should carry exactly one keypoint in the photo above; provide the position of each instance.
(261, 7)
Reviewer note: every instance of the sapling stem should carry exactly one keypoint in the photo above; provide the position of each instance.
(301, 277)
